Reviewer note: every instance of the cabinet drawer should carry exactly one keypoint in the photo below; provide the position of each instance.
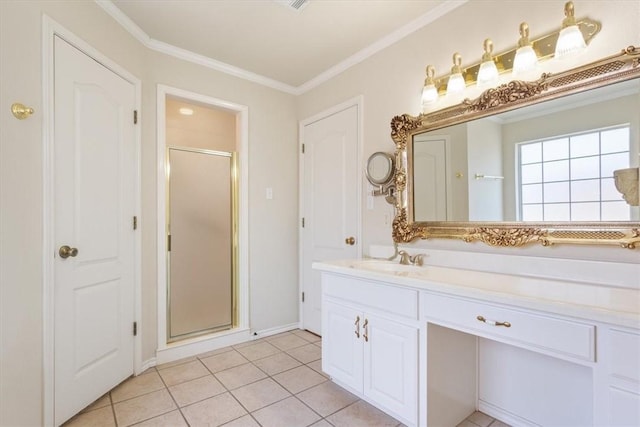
(624, 353)
(391, 299)
(544, 333)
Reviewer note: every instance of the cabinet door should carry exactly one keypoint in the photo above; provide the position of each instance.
(624, 377)
(391, 365)
(341, 346)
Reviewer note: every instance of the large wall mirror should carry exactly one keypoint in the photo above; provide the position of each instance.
(527, 161)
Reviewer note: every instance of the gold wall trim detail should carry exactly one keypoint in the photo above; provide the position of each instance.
(505, 94)
(616, 68)
(506, 237)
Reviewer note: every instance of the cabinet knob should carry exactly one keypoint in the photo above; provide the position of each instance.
(350, 241)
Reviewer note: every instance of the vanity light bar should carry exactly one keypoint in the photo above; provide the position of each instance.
(544, 47)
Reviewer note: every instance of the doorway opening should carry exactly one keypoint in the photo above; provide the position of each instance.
(202, 269)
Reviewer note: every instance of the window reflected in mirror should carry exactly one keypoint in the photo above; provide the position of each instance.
(570, 178)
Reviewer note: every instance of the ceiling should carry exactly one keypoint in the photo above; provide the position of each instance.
(266, 41)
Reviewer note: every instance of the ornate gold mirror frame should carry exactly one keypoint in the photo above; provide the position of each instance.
(509, 96)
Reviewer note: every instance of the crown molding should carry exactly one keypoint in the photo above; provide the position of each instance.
(223, 67)
(381, 44)
(205, 61)
(188, 55)
(124, 21)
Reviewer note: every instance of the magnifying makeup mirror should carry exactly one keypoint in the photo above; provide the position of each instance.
(379, 172)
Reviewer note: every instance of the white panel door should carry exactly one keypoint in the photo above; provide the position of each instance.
(330, 205)
(94, 204)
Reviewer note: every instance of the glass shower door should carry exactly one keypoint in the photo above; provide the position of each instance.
(201, 242)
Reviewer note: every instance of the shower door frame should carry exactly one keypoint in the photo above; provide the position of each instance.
(233, 181)
(165, 351)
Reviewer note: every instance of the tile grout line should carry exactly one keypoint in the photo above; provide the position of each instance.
(227, 390)
(310, 408)
(173, 398)
(269, 376)
(148, 392)
(113, 409)
(243, 407)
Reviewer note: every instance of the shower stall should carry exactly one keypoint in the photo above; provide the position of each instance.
(201, 242)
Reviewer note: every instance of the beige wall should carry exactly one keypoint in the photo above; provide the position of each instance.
(208, 128)
(273, 239)
(391, 83)
(272, 152)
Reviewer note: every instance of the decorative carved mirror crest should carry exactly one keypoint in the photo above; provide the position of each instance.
(510, 96)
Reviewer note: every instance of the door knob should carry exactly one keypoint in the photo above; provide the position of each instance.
(350, 241)
(66, 251)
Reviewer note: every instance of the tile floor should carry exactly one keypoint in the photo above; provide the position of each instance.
(270, 382)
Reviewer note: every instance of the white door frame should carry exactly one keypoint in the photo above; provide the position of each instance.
(50, 29)
(188, 347)
(359, 102)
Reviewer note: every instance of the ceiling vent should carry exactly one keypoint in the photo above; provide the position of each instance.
(293, 4)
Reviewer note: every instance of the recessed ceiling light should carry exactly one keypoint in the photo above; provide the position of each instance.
(186, 111)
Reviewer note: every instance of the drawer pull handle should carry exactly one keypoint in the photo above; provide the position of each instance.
(357, 325)
(493, 322)
(366, 330)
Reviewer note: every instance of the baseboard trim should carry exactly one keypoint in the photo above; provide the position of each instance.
(187, 348)
(146, 364)
(274, 331)
(504, 416)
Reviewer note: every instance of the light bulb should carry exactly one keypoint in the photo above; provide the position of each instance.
(456, 83)
(429, 91)
(488, 72)
(570, 41)
(526, 58)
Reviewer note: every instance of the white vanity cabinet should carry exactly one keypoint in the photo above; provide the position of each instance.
(430, 345)
(370, 342)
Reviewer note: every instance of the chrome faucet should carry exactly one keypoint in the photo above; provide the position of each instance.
(405, 258)
(417, 259)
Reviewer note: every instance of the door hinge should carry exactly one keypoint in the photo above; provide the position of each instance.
(169, 243)
(135, 329)
(135, 222)
(135, 117)
(303, 297)
(302, 148)
(302, 222)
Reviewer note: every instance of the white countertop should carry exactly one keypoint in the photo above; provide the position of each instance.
(618, 306)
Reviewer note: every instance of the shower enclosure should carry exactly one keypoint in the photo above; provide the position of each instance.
(201, 242)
